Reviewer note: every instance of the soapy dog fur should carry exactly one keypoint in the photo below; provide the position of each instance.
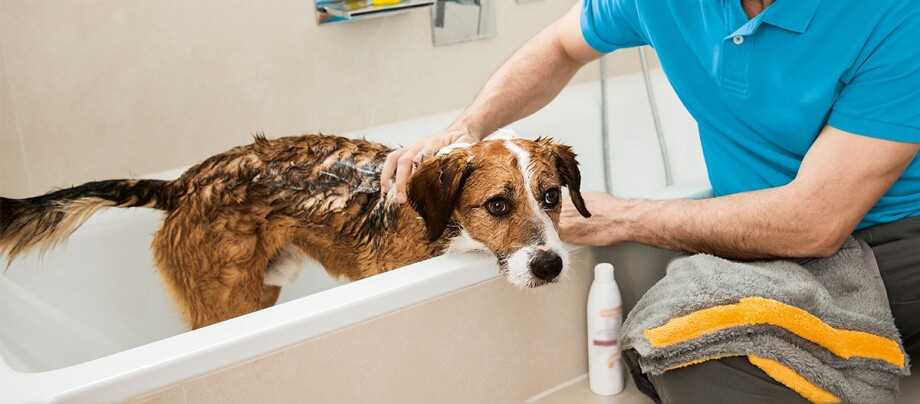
(232, 222)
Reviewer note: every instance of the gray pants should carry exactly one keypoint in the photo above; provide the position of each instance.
(734, 380)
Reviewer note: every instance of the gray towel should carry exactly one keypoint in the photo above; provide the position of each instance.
(844, 291)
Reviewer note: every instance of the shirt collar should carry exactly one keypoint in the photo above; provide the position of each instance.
(791, 15)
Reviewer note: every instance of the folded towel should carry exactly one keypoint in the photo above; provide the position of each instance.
(822, 327)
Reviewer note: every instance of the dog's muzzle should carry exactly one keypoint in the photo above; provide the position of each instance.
(545, 265)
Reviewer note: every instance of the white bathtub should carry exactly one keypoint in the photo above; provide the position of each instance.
(90, 321)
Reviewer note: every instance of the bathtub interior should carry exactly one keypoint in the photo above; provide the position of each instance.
(98, 293)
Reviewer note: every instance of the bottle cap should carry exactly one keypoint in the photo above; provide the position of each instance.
(603, 272)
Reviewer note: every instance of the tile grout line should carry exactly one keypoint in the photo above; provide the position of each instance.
(556, 388)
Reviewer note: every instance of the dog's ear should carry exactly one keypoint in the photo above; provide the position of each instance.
(435, 189)
(567, 167)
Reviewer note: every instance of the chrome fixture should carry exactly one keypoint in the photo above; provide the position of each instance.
(605, 129)
(606, 136)
(455, 21)
(656, 118)
(332, 11)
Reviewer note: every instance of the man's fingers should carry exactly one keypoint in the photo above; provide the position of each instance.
(404, 168)
(421, 151)
(431, 148)
(389, 169)
(403, 172)
(401, 163)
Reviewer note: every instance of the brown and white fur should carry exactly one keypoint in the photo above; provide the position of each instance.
(238, 225)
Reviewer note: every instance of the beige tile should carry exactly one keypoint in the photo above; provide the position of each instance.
(171, 395)
(14, 180)
(580, 393)
(127, 88)
(487, 343)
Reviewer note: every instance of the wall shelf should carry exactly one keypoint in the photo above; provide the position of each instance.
(332, 11)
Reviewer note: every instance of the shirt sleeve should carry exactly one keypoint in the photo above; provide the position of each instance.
(881, 97)
(608, 25)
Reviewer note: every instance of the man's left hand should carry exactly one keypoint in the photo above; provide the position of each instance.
(601, 228)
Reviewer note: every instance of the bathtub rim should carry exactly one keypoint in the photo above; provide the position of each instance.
(164, 362)
(151, 367)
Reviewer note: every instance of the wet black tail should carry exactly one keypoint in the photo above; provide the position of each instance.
(43, 221)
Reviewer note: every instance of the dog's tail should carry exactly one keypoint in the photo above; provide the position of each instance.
(43, 221)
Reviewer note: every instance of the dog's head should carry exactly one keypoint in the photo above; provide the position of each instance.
(505, 197)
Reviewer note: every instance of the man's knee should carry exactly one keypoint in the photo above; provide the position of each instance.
(728, 380)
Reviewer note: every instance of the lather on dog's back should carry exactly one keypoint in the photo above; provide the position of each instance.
(238, 224)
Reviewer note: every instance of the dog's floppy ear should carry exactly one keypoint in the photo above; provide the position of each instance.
(435, 189)
(567, 167)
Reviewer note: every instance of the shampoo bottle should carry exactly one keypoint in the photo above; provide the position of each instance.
(605, 315)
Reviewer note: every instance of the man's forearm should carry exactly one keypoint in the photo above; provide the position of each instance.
(528, 81)
(840, 179)
(763, 224)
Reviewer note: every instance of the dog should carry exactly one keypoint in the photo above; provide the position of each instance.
(239, 225)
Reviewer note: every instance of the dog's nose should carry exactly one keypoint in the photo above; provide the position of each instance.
(546, 265)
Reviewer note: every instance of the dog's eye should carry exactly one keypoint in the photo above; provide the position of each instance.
(498, 206)
(551, 197)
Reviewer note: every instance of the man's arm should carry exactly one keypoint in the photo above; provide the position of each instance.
(531, 78)
(528, 81)
(841, 178)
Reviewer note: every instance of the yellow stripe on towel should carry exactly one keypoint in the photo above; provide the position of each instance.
(758, 310)
(793, 380)
(782, 374)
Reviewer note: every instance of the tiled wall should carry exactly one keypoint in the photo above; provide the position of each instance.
(13, 175)
(119, 88)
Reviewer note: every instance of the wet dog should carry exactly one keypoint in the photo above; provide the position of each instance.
(239, 225)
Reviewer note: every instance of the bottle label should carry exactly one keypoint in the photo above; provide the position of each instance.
(611, 312)
(613, 359)
(605, 342)
(606, 334)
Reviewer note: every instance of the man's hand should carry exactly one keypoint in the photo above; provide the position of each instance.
(602, 228)
(841, 178)
(401, 163)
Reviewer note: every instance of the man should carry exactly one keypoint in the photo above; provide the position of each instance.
(809, 118)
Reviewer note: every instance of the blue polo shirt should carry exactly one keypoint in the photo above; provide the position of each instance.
(762, 89)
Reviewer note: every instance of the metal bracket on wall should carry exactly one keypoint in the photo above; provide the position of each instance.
(455, 21)
(452, 21)
(333, 11)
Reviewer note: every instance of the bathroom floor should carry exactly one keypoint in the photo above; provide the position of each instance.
(579, 393)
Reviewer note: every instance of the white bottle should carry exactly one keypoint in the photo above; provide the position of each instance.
(605, 315)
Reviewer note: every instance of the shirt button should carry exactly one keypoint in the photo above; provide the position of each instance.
(738, 39)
